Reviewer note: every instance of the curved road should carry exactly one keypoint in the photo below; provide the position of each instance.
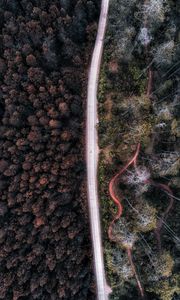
(92, 155)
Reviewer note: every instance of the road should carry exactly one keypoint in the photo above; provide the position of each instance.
(92, 155)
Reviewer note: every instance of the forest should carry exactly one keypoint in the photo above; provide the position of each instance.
(45, 247)
(139, 149)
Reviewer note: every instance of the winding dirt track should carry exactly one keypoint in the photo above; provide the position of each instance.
(92, 155)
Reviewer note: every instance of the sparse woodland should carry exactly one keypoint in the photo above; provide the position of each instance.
(139, 143)
(45, 248)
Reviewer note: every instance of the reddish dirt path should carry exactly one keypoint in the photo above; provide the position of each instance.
(112, 191)
(117, 201)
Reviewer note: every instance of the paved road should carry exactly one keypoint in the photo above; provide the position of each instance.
(92, 155)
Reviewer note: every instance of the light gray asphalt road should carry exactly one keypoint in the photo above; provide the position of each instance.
(92, 155)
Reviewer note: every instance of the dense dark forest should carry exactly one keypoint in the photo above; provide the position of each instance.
(45, 249)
